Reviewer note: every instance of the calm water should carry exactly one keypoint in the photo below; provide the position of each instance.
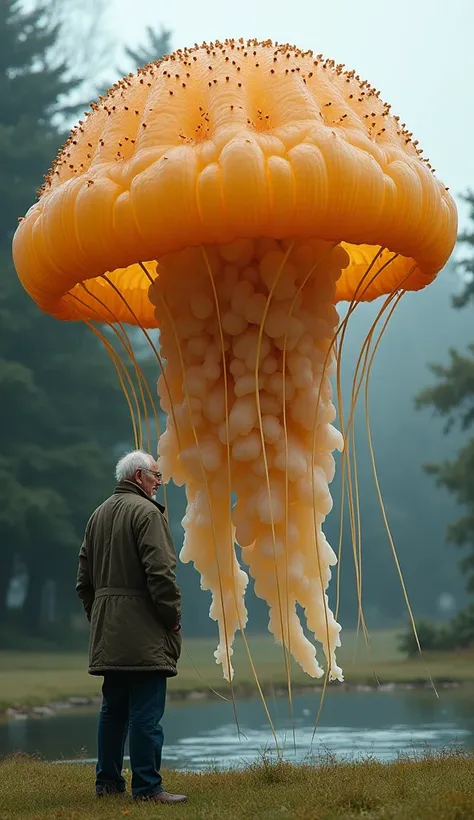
(203, 733)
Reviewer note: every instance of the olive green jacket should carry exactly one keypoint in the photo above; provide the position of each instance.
(126, 582)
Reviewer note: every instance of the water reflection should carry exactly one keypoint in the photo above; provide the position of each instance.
(202, 734)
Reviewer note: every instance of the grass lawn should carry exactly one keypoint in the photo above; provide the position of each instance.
(438, 787)
(34, 678)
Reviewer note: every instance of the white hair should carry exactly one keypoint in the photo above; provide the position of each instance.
(131, 462)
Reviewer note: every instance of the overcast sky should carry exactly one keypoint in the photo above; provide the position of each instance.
(418, 53)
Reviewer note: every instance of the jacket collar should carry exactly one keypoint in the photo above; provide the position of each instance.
(130, 487)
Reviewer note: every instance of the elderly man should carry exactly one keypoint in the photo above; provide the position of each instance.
(127, 585)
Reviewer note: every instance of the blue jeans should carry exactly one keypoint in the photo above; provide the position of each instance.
(133, 703)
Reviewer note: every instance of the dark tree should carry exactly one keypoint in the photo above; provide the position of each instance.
(157, 45)
(453, 398)
(61, 411)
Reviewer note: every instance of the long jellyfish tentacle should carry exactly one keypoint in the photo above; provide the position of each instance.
(352, 472)
(352, 464)
(364, 284)
(170, 405)
(118, 363)
(357, 383)
(146, 334)
(120, 332)
(117, 327)
(379, 492)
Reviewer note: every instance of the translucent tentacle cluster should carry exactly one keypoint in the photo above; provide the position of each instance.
(263, 311)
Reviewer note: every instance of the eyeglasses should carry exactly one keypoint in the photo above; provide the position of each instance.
(152, 472)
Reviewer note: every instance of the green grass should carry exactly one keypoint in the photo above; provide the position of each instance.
(33, 678)
(435, 787)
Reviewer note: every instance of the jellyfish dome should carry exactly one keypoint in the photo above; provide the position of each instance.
(231, 195)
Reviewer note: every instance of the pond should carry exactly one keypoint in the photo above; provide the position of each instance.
(200, 734)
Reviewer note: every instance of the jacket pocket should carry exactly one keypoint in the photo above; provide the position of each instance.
(174, 640)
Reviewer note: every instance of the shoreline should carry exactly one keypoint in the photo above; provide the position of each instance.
(75, 703)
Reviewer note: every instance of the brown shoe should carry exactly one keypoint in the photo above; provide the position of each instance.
(165, 797)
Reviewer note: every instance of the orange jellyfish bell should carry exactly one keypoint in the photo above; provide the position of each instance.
(230, 195)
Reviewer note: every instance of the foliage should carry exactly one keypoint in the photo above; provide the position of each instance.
(452, 397)
(62, 412)
(158, 43)
(430, 636)
(32, 88)
(83, 41)
(466, 264)
(458, 633)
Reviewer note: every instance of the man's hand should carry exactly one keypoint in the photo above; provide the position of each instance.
(176, 628)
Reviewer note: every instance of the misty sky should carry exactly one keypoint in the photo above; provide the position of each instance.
(418, 53)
